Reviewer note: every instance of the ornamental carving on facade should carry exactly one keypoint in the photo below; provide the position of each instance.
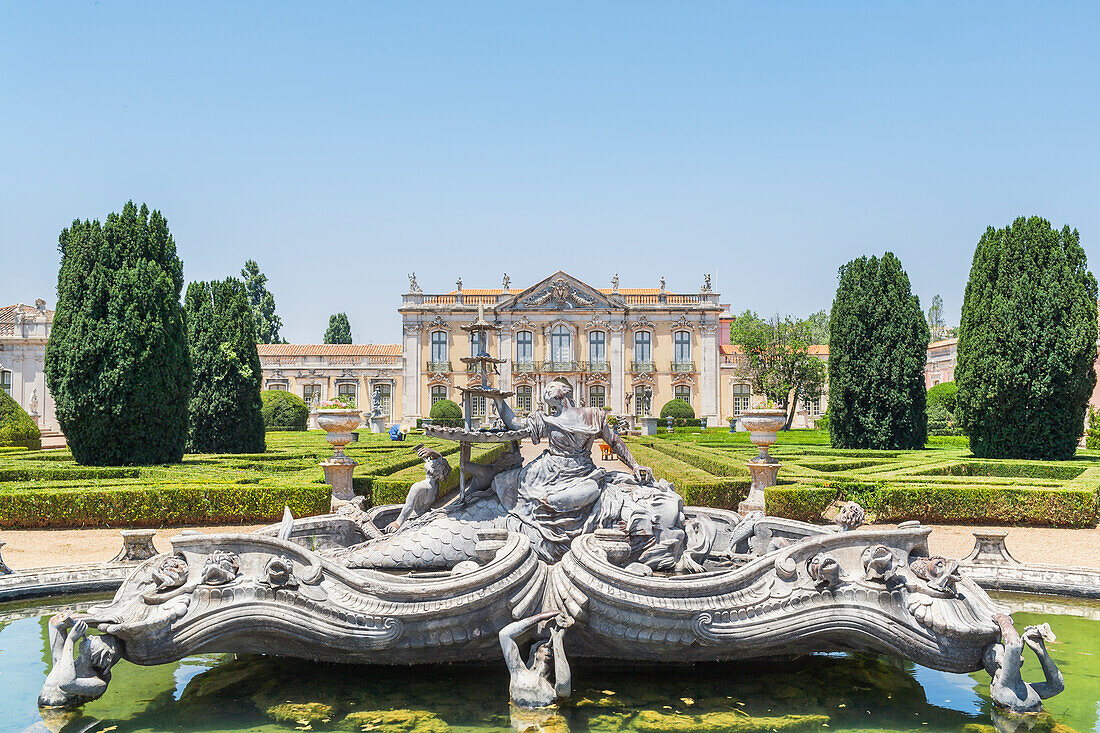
(437, 325)
(642, 323)
(560, 294)
(523, 324)
(708, 327)
(683, 378)
(682, 322)
(596, 324)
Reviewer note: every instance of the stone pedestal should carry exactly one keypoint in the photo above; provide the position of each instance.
(4, 569)
(313, 425)
(339, 424)
(137, 545)
(763, 476)
(990, 549)
(378, 425)
(649, 425)
(338, 473)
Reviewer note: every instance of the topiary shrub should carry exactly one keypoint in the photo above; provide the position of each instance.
(446, 412)
(941, 421)
(1027, 343)
(878, 342)
(16, 426)
(117, 361)
(1092, 434)
(945, 394)
(225, 408)
(679, 409)
(283, 411)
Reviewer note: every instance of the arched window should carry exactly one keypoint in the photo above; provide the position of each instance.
(347, 389)
(439, 351)
(643, 398)
(597, 351)
(643, 351)
(439, 392)
(597, 395)
(525, 351)
(386, 390)
(311, 394)
(681, 352)
(477, 344)
(682, 392)
(523, 398)
(561, 345)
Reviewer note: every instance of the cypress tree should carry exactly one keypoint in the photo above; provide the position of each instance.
(339, 330)
(117, 361)
(877, 348)
(225, 407)
(1027, 343)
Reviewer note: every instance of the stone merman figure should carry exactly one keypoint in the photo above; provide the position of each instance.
(77, 675)
(531, 685)
(1003, 662)
(423, 493)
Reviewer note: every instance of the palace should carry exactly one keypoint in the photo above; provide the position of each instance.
(629, 349)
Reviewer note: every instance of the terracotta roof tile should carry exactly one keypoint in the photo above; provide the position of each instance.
(943, 342)
(329, 349)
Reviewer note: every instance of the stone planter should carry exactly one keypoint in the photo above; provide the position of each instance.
(649, 425)
(339, 426)
(763, 426)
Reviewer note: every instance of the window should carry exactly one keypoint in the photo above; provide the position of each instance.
(525, 348)
(5, 381)
(311, 393)
(477, 344)
(597, 347)
(439, 392)
(477, 407)
(813, 407)
(643, 346)
(643, 396)
(523, 398)
(682, 392)
(597, 395)
(280, 386)
(682, 347)
(741, 395)
(439, 346)
(386, 391)
(346, 389)
(561, 345)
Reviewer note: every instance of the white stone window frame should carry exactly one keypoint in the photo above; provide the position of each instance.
(604, 394)
(529, 357)
(680, 387)
(676, 344)
(634, 344)
(564, 328)
(590, 333)
(530, 397)
(742, 397)
(433, 343)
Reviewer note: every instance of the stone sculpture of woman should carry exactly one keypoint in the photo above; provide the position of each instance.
(531, 685)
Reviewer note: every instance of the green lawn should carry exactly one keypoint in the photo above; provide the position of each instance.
(48, 489)
(942, 483)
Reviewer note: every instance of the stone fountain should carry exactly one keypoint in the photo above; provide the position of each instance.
(558, 558)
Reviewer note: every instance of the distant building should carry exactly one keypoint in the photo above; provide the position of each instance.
(939, 367)
(24, 330)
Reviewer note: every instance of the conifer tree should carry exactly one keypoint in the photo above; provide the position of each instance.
(225, 407)
(1027, 342)
(263, 305)
(878, 339)
(339, 330)
(117, 361)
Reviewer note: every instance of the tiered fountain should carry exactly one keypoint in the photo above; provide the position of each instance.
(472, 431)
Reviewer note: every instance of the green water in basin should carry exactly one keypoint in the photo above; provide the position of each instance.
(827, 693)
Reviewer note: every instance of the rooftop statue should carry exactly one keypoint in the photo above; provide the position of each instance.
(541, 561)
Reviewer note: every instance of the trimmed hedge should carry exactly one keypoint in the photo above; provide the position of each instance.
(987, 505)
(806, 504)
(694, 484)
(17, 429)
(282, 410)
(154, 506)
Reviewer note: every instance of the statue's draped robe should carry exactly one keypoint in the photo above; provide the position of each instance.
(537, 496)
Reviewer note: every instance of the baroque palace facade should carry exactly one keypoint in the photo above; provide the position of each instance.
(629, 349)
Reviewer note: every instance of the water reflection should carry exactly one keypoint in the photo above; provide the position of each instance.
(257, 693)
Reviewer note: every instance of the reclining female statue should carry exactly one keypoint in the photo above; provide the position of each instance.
(556, 497)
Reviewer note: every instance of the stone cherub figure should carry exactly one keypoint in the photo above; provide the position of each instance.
(423, 493)
(1003, 662)
(78, 674)
(531, 685)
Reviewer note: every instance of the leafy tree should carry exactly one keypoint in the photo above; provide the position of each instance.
(263, 305)
(1027, 342)
(339, 330)
(678, 409)
(16, 426)
(778, 362)
(283, 410)
(225, 408)
(936, 326)
(877, 347)
(1092, 435)
(819, 327)
(117, 361)
(944, 393)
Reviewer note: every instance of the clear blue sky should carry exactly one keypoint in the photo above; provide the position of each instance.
(765, 142)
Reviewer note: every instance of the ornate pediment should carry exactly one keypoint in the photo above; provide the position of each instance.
(642, 324)
(437, 325)
(683, 323)
(523, 324)
(561, 291)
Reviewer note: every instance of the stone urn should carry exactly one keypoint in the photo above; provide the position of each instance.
(339, 425)
(763, 425)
